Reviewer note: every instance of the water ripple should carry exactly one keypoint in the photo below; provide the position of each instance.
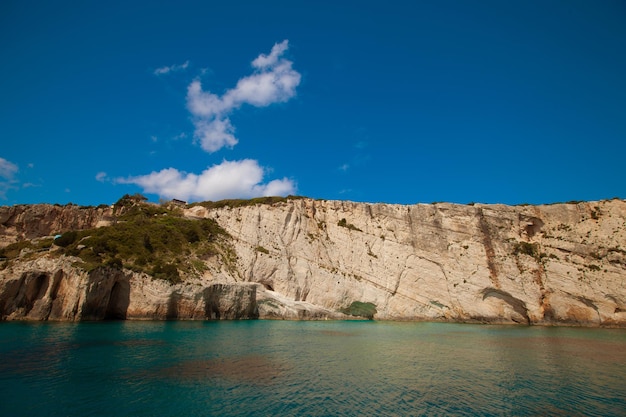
(309, 369)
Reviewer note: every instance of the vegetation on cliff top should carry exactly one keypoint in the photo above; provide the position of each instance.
(143, 237)
(149, 238)
(233, 203)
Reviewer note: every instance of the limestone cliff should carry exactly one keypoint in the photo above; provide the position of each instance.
(302, 258)
(37, 220)
(53, 289)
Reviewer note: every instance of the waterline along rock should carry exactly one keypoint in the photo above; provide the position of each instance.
(559, 264)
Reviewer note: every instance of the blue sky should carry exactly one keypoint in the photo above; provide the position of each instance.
(396, 101)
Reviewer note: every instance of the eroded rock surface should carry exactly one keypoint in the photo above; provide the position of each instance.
(31, 221)
(308, 259)
(53, 289)
(562, 263)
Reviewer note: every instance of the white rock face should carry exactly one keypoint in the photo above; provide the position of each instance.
(563, 263)
(308, 259)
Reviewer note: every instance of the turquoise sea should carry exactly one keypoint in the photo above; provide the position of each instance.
(290, 368)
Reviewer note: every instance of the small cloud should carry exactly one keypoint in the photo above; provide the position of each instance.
(264, 61)
(67, 190)
(101, 176)
(171, 68)
(7, 176)
(273, 81)
(7, 169)
(179, 136)
(230, 179)
(359, 159)
(31, 165)
(215, 134)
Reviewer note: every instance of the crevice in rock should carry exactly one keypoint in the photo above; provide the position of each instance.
(211, 303)
(36, 289)
(587, 302)
(31, 286)
(412, 230)
(172, 306)
(489, 250)
(288, 218)
(518, 305)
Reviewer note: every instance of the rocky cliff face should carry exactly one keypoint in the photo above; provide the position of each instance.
(32, 221)
(53, 289)
(551, 264)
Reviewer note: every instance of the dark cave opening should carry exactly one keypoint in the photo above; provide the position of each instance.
(118, 301)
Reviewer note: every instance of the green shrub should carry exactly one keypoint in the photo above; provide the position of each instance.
(114, 263)
(344, 223)
(595, 213)
(44, 243)
(360, 309)
(168, 272)
(128, 200)
(199, 266)
(262, 250)
(66, 239)
(530, 249)
(14, 249)
(245, 202)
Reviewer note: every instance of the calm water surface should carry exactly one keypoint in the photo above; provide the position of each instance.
(284, 368)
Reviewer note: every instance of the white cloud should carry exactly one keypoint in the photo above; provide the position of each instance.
(7, 169)
(274, 81)
(203, 104)
(215, 134)
(263, 61)
(171, 68)
(262, 89)
(101, 176)
(230, 179)
(7, 172)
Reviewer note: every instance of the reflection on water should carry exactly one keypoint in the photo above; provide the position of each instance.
(253, 369)
(309, 368)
